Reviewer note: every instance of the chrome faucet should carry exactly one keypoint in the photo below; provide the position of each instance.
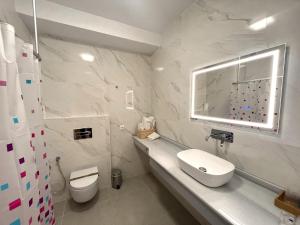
(223, 136)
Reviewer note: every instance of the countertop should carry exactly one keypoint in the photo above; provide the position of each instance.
(239, 202)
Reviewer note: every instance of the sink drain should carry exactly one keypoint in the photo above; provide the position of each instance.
(203, 169)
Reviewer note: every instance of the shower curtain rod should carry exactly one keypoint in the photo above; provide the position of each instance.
(37, 55)
(36, 50)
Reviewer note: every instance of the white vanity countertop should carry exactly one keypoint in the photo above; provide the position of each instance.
(240, 202)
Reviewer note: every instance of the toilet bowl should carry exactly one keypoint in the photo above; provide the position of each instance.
(84, 184)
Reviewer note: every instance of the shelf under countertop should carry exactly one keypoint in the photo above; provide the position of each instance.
(239, 202)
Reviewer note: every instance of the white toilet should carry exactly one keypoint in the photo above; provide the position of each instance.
(84, 184)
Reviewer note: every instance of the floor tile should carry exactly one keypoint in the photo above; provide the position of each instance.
(59, 208)
(140, 201)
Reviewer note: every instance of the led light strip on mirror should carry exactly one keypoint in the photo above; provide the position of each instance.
(275, 54)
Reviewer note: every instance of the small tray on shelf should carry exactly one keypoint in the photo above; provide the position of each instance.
(143, 134)
(287, 205)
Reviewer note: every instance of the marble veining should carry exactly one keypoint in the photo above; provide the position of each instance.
(212, 31)
(78, 154)
(75, 88)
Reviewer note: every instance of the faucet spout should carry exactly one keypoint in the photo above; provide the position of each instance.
(223, 136)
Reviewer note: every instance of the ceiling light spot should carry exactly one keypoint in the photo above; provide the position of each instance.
(261, 24)
(159, 69)
(87, 57)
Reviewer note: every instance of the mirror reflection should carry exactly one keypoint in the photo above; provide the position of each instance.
(245, 91)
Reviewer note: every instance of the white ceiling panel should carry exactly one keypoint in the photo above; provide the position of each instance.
(152, 15)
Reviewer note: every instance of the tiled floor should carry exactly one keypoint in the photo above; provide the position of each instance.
(140, 201)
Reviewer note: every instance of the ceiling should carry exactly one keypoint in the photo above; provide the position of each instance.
(152, 15)
(128, 25)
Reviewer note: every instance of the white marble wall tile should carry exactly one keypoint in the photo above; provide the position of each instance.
(78, 154)
(208, 32)
(72, 87)
(132, 161)
(75, 84)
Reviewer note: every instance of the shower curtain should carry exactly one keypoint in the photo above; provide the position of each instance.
(25, 196)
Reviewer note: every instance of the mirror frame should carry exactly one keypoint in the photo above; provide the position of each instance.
(272, 52)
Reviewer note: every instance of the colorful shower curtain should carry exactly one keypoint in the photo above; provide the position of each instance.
(25, 196)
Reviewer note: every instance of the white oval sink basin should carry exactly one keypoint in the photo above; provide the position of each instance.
(206, 168)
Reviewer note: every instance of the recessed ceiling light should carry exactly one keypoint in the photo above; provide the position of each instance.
(261, 24)
(87, 57)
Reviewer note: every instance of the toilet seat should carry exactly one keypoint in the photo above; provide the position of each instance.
(84, 182)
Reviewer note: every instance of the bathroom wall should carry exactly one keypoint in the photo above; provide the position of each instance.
(8, 14)
(219, 85)
(72, 87)
(212, 31)
(78, 154)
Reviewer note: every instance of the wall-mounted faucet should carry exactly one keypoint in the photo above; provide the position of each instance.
(223, 136)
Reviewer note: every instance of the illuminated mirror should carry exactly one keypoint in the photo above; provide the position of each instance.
(245, 91)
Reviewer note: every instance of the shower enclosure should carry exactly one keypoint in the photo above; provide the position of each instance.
(25, 196)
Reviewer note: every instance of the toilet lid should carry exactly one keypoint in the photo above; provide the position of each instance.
(84, 182)
(84, 172)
